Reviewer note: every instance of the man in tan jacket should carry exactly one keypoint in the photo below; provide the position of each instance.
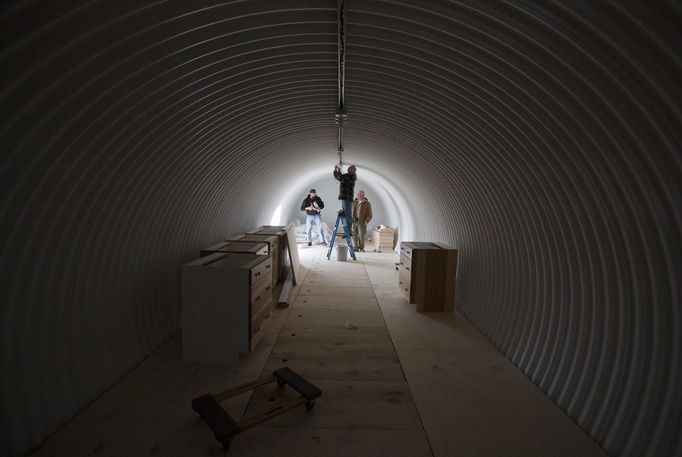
(362, 214)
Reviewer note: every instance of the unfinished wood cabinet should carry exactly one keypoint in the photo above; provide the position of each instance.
(272, 242)
(280, 231)
(225, 299)
(254, 248)
(427, 273)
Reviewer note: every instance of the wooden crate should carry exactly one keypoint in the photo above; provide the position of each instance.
(383, 238)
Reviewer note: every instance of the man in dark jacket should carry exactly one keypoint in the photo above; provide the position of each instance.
(346, 191)
(312, 205)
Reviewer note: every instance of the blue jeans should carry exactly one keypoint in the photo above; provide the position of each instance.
(347, 207)
(309, 227)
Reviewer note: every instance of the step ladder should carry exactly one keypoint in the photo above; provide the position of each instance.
(346, 230)
(225, 428)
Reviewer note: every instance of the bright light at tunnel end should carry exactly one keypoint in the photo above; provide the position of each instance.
(398, 211)
(276, 216)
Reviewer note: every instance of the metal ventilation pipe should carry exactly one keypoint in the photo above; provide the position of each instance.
(341, 114)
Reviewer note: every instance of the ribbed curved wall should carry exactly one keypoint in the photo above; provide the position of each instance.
(540, 138)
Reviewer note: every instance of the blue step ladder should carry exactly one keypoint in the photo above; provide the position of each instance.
(346, 230)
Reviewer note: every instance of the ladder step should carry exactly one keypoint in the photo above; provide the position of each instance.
(298, 383)
(347, 233)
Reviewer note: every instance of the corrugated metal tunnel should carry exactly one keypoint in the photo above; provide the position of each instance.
(542, 139)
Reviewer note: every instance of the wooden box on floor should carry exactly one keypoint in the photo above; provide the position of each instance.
(257, 248)
(273, 249)
(383, 238)
(427, 274)
(225, 299)
(280, 231)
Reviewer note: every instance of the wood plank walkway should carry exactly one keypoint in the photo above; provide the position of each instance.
(335, 336)
(395, 383)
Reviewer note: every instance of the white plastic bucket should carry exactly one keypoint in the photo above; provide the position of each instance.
(341, 253)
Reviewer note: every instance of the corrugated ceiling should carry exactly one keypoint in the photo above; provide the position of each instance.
(540, 138)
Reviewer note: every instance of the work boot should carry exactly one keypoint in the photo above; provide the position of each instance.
(310, 243)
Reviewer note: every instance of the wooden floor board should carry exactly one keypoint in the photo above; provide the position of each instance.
(395, 383)
(332, 291)
(345, 405)
(337, 303)
(319, 442)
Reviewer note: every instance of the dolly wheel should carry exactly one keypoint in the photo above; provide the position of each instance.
(310, 404)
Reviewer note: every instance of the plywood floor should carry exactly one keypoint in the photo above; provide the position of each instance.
(394, 382)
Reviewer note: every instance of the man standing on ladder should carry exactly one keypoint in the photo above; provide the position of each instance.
(346, 192)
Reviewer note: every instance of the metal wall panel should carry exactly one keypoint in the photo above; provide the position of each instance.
(540, 138)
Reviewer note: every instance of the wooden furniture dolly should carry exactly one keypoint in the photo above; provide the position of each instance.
(225, 428)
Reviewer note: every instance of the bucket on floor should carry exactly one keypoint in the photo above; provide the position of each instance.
(341, 253)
